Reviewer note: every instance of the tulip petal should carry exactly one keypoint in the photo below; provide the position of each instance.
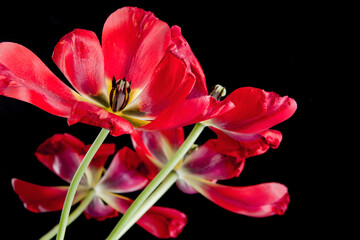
(134, 42)
(183, 51)
(93, 115)
(42, 198)
(189, 112)
(96, 166)
(171, 82)
(62, 154)
(228, 145)
(260, 200)
(123, 174)
(79, 56)
(207, 163)
(25, 77)
(159, 221)
(160, 145)
(255, 111)
(155, 148)
(99, 210)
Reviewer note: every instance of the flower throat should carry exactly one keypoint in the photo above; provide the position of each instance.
(119, 94)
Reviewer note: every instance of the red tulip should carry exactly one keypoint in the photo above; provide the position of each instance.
(203, 166)
(142, 70)
(62, 154)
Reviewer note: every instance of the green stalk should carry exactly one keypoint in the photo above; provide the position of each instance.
(198, 128)
(76, 180)
(154, 197)
(73, 216)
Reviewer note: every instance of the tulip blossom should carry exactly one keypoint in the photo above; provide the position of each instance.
(62, 154)
(203, 166)
(142, 69)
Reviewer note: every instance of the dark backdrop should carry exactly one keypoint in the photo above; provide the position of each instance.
(273, 47)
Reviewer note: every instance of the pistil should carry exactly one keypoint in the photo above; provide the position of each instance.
(119, 94)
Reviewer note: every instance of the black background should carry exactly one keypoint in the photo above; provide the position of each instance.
(278, 48)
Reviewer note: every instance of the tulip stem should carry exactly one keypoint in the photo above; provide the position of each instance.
(194, 134)
(76, 180)
(73, 216)
(154, 197)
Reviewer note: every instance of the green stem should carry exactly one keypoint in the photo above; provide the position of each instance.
(73, 216)
(154, 197)
(198, 128)
(76, 180)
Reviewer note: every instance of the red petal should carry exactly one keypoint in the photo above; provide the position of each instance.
(155, 148)
(228, 145)
(171, 82)
(98, 210)
(79, 56)
(210, 164)
(134, 42)
(40, 198)
(255, 111)
(25, 77)
(62, 154)
(260, 200)
(183, 51)
(93, 115)
(189, 112)
(123, 174)
(159, 221)
(96, 166)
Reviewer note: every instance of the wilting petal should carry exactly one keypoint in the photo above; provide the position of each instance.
(25, 77)
(183, 51)
(134, 42)
(62, 154)
(79, 56)
(260, 200)
(171, 82)
(228, 145)
(96, 166)
(159, 221)
(158, 145)
(123, 174)
(207, 163)
(41, 198)
(189, 112)
(99, 210)
(93, 115)
(255, 111)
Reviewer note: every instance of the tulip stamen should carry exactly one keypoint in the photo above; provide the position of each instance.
(119, 94)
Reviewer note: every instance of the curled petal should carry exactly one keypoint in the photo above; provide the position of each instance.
(25, 77)
(183, 51)
(260, 200)
(189, 112)
(62, 154)
(255, 111)
(210, 164)
(123, 174)
(79, 56)
(90, 114)
(41, 198)
(159, 221)
(134, 42)
(228, 145)
(99, 210)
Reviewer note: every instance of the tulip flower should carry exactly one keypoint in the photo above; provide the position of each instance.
(62, 154)
(142, 68)
(203, 166)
